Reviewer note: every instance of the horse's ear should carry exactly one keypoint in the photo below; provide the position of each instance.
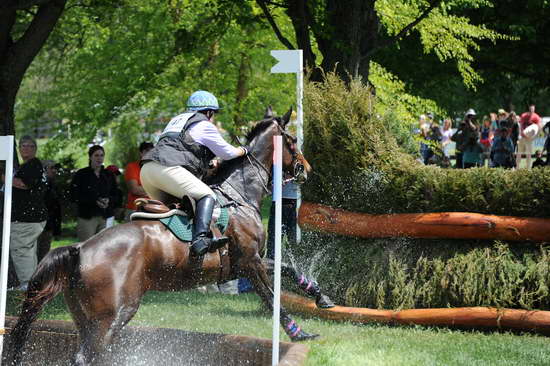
(286, 117)
(268, 112)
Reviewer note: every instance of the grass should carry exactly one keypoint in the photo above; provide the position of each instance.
(340, 343)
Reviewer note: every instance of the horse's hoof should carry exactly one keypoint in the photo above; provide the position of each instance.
(303, 336)
(324, 302)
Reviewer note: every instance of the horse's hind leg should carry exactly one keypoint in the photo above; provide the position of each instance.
(310, 287)
(99, 331)
(262, 284)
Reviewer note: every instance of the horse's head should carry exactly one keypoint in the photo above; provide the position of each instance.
(295, 165)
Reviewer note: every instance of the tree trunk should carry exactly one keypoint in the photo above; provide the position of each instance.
(346, 41)
(242, 88)
(450, 225)
(17, 55)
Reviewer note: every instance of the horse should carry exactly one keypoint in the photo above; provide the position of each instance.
(104, 278)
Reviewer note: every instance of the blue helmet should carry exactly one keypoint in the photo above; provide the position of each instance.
(202, 100)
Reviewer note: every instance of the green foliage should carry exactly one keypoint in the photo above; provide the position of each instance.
(445, 31)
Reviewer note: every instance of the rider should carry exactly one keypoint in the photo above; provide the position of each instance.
(179, 161)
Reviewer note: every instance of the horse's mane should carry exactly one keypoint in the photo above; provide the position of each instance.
(228, 166)
(257, 129)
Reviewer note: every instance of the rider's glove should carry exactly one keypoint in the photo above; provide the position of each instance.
(245, 150)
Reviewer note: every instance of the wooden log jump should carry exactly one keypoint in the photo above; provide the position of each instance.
(451, 225)
(472, 317)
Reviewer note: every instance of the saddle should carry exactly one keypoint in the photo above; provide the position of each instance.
(159, 207)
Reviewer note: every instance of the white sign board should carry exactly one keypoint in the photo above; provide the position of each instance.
(6, 153)
(290, 61)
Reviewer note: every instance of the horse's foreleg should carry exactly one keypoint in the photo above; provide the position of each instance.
(310, 287)
(262, 284)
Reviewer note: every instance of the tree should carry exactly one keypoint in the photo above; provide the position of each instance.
(24, 28)
(349, 33)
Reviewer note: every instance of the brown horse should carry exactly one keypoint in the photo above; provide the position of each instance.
(104, 278)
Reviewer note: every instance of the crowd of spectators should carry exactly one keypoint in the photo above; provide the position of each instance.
(501, 139)
(38, 202)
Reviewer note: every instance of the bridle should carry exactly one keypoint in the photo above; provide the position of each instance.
(297, 170)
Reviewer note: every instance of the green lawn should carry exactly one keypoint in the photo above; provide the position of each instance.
(340, 343)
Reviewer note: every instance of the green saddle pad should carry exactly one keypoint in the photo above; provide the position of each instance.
(182, 227)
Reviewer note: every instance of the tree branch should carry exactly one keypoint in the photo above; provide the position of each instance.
(271, 21)
(433, 4)
(25, 4)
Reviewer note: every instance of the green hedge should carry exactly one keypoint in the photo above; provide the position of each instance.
(359, 166)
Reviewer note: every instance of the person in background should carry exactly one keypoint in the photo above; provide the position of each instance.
(53, 204)
(538, 163)
(289, 196)
(29, 212)
(472, 150)
(463, 135)
(422, 131)
(446, 133)
(133, 181)
(529, 127)
(94, 192)
(117, 201)
(546, 148)
(502, 151)
(486, 139)
(512, 122)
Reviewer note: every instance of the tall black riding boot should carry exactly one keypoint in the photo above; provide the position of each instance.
(203, 215)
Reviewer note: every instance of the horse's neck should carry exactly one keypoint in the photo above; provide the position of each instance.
(252, 180)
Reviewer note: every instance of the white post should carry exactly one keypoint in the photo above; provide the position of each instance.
(6, 153)
(277, 190)
(299, 131)
(292, 61)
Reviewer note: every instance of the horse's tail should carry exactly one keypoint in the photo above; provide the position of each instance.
(57, 271)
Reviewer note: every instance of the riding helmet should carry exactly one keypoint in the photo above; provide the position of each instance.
(202, 100)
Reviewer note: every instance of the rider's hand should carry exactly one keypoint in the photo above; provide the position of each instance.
(245, 151)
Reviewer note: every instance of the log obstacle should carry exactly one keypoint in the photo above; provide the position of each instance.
(449, 225)
(471, 317)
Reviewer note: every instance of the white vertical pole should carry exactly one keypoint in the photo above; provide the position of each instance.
(6, 153)
(299, 128)
(277, 189)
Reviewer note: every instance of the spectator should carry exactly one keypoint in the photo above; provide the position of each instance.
(29, 211)
(53, 204)
(513, 128)
(501, 121)
(117, 202)
(529, 127)
(502, 151)
(289, 196)
(94, 192)
(546, 147)
(446, 133)
(538, 161)
(472, 150)
(423, 127)
(133, 181)
(462, 136)
(433, 136)
(486, 139)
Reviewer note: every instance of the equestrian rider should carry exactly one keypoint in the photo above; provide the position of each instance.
(179, 161)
